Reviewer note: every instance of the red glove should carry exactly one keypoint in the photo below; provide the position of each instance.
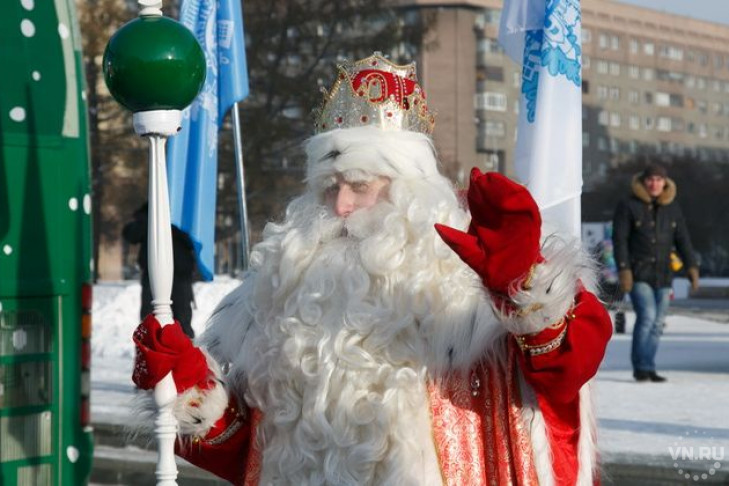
(164, 349)
(502, 242)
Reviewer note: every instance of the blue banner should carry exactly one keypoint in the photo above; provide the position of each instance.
(193, 153)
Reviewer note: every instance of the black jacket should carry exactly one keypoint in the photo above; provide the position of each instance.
(646, 230)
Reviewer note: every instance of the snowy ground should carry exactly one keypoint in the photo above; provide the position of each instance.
(641, 422)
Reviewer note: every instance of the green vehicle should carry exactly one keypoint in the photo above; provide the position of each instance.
(45, 248)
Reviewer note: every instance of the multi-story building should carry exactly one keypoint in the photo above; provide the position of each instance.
(653, 83)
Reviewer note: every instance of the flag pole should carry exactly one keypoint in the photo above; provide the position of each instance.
(242, 204)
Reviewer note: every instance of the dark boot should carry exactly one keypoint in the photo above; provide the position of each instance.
(655, 377)
(641, 375)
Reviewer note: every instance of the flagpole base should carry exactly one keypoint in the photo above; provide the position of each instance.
(165, 123)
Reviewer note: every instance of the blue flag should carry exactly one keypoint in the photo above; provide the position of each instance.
(193, 153)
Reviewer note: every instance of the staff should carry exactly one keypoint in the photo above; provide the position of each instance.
(154, 67)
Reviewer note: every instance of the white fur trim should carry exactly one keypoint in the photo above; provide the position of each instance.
(533, 419)
(197, 410)
(553, 286)
(587, 443)
(193, 420)
(587, 446)
(401, 154)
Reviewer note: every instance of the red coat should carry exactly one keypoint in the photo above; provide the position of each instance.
(481, 430)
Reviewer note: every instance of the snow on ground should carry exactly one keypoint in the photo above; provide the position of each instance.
(637, 421)
(661, 419)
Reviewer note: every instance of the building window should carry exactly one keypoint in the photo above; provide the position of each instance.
(486, 44)
(494, 73)
(585, 62)
(648, 74)
(703, 130)
(585, 139)
(495, 129)
(633, 97)
(648, 123)
(662, 99)
(490, 101)
(603, 118)
(614, 42)
(648, 97)
(614, 146)
(671, 52)
(663, 124)
(586, 36)
(634, 72)
(603, 41)
(634, 122)
(615, 94)
(634, 46)
(716, 85)
(690, 81)
(602, 144)
(585, 86)
(701, 83)
(716, 108)
(602, 67)
(648, 49)
(702, 106)
(615, 119)
(602, 92)
(614, 69)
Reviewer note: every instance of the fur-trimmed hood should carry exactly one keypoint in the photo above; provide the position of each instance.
(666, 197)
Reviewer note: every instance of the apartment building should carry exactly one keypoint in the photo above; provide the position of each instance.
(653, 83)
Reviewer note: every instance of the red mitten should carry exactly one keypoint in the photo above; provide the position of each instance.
(164, 349)
(502, 242)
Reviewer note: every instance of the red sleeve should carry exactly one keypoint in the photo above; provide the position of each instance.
(223, 451)
(559, 374)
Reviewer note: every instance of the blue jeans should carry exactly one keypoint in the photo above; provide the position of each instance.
(650, 307)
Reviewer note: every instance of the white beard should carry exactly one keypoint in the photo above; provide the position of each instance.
(336, 337)
(341, 379)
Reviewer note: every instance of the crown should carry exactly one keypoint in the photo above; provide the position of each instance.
(374, 91)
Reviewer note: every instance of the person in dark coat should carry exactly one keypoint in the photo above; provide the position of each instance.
(647, 227)
(135, 232)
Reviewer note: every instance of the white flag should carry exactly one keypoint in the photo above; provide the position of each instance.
(544, 37)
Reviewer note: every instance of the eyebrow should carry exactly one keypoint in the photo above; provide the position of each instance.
(331, 155)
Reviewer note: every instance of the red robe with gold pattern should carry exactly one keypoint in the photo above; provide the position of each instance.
(525, 421)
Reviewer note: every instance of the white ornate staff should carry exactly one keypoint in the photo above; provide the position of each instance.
(154, 67)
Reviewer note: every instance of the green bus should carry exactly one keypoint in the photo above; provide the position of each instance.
(45, 248)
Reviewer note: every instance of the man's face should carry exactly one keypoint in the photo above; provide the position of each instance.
(654, 185)
(346, 196)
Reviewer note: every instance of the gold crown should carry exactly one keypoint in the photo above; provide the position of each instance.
(374, 91)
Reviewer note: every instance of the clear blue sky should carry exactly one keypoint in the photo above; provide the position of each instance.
(711, 10)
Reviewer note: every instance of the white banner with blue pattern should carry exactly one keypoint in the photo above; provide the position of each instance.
(544, 37)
